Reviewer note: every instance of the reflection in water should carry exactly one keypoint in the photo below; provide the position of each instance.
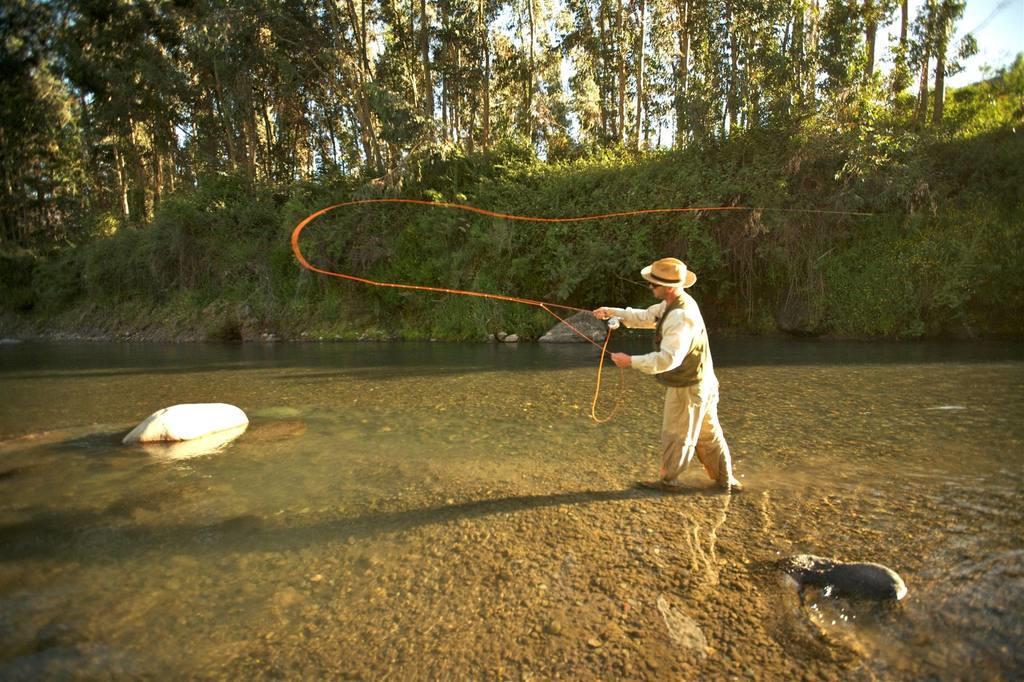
(210, 444)
(436, 510)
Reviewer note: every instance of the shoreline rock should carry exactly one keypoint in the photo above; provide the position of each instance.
(585, 322)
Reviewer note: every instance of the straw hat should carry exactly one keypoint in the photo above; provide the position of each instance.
(669, 272)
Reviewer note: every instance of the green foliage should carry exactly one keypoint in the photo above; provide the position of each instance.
(957, 273)
(57, 282)
(16, 267)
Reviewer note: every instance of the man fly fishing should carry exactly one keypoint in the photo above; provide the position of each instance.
(682, 362)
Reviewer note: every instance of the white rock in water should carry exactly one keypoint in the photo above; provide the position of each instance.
(185, 422)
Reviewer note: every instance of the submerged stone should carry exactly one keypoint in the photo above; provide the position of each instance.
(682, 629)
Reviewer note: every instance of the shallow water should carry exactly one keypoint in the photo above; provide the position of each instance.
(444, 510)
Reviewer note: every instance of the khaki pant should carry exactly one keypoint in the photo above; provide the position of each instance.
(690, 426)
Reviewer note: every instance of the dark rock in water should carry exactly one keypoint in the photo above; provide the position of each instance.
(594, 328)
(862, 580)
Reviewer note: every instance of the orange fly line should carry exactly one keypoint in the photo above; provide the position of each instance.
(544, 305)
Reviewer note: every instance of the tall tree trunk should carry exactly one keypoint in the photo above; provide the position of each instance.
(172, 148)
(221, 105)
(640, 74)
(485, 48)
(486, 137)
(412, 58)
(922, 92)
(751, 93)
(602, 77)
(329, 121)
(268, 130)
(940, 79)
(942, 23)
(812, 56)
(682, 69)
(138, 181)
(158, 178)
(428, 85)
(252, 136)
(901, 72)
(10, 222)
(364, 73)
(445, 122)
(732, 90)
(533, 75)
(797, 50)
(457, 99)
(904, 21)
(620, 48)
(929, 37)
(122, 183)
(870, 32)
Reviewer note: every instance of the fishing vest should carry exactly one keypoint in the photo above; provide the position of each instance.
(691, 370)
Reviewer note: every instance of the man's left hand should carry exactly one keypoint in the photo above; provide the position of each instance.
(622, 360)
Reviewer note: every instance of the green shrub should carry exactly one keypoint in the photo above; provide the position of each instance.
(16, 268)
(57, 282)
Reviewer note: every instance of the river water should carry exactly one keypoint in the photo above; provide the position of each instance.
(425, 511)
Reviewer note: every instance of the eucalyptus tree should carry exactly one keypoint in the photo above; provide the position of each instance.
(458, 68)
(118, 59)
(841, 51)
(900, 77)
(659, 72)
(397, 96)
(770, 77)
(41, 160)
(526, 52)
(641, 53)
(592, 77)
(704, 100)
(680, 19)
(932, 32)
(584, 51)
(948, 11)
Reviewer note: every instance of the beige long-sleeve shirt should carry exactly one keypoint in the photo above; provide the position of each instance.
(678, 333)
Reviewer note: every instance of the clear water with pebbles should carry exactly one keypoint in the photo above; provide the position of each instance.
(440, 510)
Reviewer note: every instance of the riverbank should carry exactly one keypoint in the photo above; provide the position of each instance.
(158, 327)
(926, 245)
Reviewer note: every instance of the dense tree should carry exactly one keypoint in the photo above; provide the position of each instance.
(110, 105)
(40, 140)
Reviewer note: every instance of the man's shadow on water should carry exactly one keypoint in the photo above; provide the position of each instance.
(102, 536)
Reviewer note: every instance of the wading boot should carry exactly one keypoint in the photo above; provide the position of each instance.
(733, 486)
